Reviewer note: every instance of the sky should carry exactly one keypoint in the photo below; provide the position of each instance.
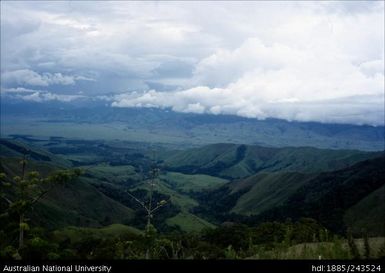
(302, 61)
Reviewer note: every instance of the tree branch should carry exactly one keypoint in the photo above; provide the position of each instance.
(137, 200)
(6, 199)
(37, 198)
(4, 214)
(160, 205)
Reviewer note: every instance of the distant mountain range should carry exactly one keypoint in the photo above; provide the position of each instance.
(98, 120)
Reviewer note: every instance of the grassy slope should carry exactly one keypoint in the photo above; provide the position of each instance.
(268, 190)
(183, 201)
(368, 214)
(77, 203)
(117, 176)
(198, 182)
(189, 222)
(81, 204)
(329, 196)
(354, 193)
(112, 174)
(237, 161)
(185, 220)
(16, 149)
(75, 234)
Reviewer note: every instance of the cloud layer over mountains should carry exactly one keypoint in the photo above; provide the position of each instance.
(306, 61)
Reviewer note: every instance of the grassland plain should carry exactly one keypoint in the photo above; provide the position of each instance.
(183, 129)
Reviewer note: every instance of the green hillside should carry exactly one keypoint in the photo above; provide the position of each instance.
(113, 181)
(75, 203)
(12, 149)
(266, 184)
(184, 220)
(80, 204)
(75, 234)
(189, 222)
(333, 197)
(351, 196)
(119, 175)
(267, 190)
(237, 161)
(192, 183)
(368, 213)
(260, 201)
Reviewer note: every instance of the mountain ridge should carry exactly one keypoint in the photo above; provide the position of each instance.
(237, 161)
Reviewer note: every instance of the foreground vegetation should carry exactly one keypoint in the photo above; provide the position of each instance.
(300, 240)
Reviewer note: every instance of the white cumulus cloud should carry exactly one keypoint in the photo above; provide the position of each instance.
(32, 78)
(280, 81)
(43, 96)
